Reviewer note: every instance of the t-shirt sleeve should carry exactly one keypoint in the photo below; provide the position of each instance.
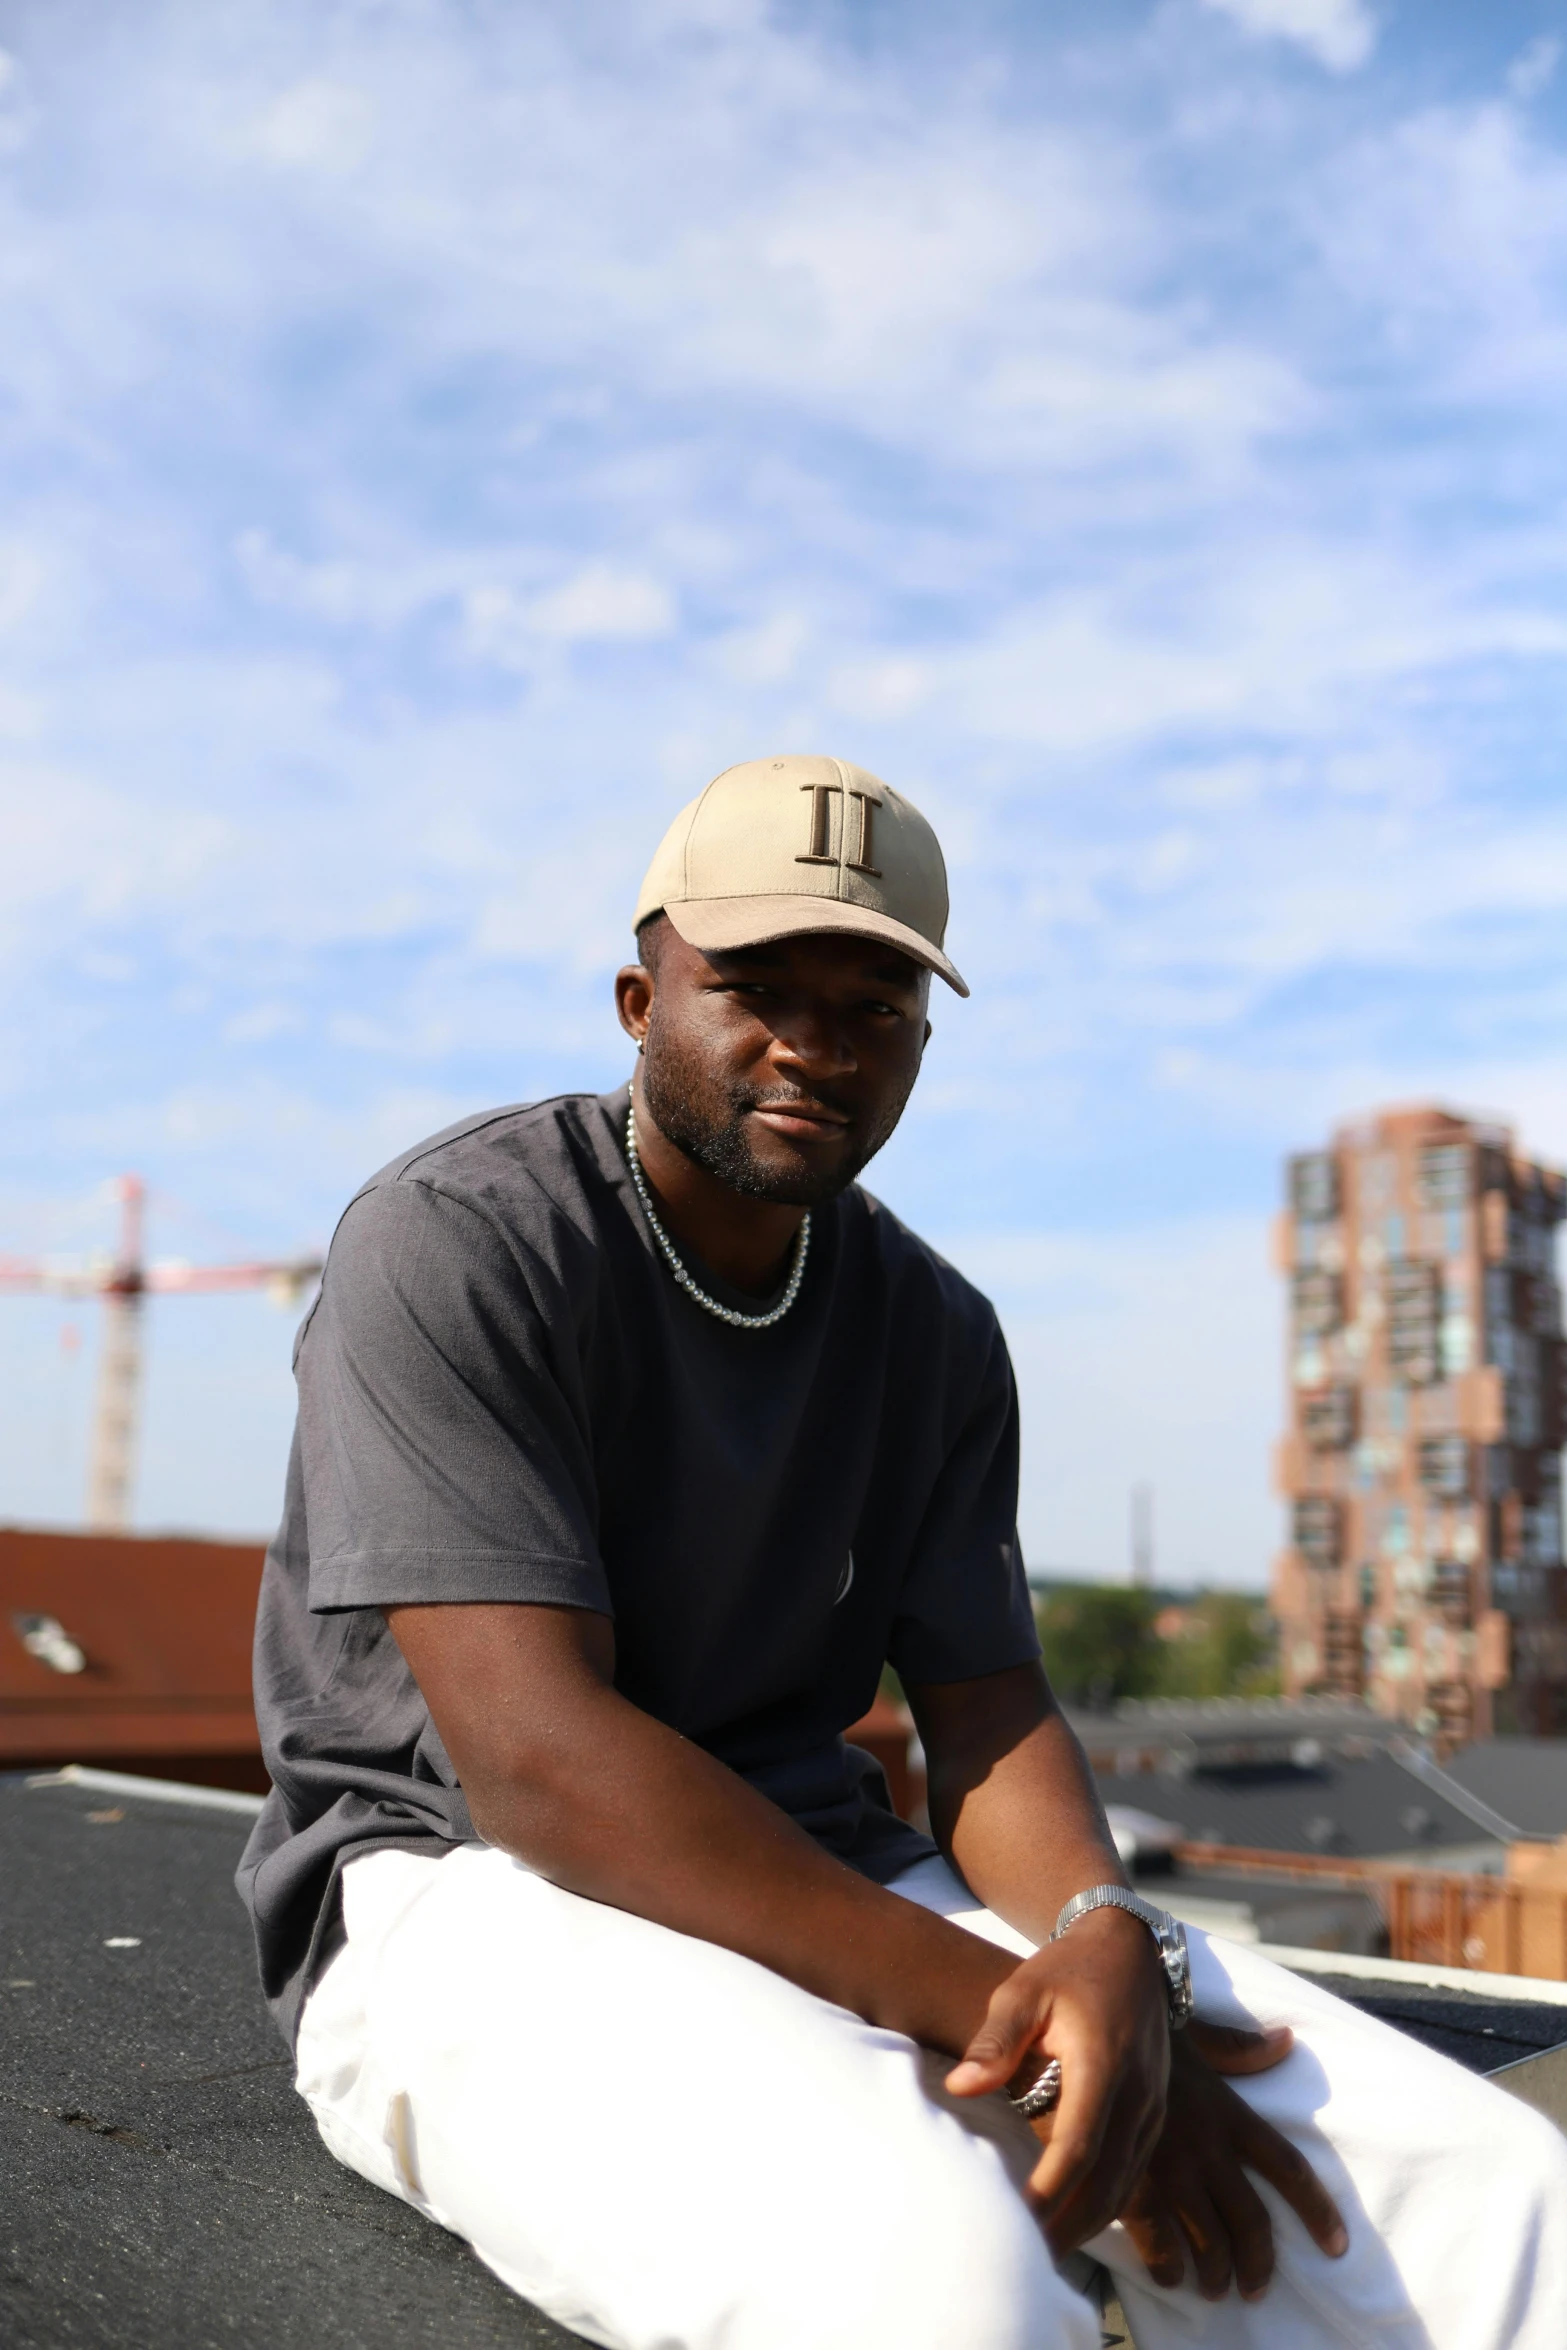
(443, 1455)
(964, 1607)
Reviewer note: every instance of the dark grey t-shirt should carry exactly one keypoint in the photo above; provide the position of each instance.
(504, 1395)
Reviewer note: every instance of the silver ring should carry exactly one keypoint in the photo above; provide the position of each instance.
(1043, 2095)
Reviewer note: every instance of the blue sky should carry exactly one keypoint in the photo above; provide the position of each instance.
(435, 438)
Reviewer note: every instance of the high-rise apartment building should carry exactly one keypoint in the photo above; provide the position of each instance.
(1422, 1464)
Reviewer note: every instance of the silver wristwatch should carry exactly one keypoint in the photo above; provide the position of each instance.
(1168, 1933)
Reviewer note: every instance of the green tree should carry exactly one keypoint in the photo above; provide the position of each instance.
(1106, 1641)
(1099, 1642)
(1225, 1649)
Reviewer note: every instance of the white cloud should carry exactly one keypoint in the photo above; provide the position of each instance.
(768, 652)
(1450, 226)
(316, 125)
(886, 686)
(262, 1023)
(338, 590)
(22, 574)
(599, 605)
(1534, 68)
(1339, 34)
(1286, 639)
(953, 277)
(386, 586)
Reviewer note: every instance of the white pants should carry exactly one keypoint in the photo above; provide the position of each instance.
(667, 2147)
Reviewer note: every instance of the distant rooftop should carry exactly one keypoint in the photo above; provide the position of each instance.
(1178, 1733)
(1501, 1788)
(1334, 1785)
(1525, 1779)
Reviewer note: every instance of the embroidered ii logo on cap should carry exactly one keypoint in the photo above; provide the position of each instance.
(777, 847)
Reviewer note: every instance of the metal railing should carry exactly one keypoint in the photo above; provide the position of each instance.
(1434, 1917)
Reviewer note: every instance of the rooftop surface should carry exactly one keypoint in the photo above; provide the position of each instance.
(1354, 1807)
(1525, 1779)
(1258, 1724)
(166, 2185)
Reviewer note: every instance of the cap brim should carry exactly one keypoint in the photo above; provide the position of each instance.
(719, 923)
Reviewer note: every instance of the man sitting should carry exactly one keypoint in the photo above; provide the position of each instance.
(634, 1439)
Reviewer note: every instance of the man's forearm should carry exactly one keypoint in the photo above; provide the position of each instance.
(1012, 1799)
(604, 1800)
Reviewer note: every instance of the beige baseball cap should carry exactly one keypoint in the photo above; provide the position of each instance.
(777, 847)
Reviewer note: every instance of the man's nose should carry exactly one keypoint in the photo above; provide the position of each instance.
(813, 1044)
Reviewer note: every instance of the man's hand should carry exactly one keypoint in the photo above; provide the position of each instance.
(1195, 2195)
(1096, 2001)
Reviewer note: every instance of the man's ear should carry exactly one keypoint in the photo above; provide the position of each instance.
(634, 991)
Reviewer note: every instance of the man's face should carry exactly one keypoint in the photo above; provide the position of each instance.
(782, 1069)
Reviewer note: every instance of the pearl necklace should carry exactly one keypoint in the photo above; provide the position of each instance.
(672, 1258)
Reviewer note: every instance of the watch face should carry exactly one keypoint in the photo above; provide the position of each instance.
(1176, 1961)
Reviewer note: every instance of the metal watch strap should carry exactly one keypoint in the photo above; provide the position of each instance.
(1168, 1933)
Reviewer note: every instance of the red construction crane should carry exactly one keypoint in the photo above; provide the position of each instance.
(123, 1282)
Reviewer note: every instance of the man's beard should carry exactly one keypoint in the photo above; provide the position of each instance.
(706, 1120)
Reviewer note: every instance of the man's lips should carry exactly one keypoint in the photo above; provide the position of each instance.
(801, 1121)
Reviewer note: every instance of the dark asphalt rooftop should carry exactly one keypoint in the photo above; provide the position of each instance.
(1476, 2029)
(1352, 1807)
(165, 2186)
(1525, 1779)
(1234, 1729)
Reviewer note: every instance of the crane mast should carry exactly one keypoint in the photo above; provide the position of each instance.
(124, 1284)
(117, 1413)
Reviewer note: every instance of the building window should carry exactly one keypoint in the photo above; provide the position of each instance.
(1414, 1322)
(1442, 1175)
(1542, 1535)
(1328, 1418)
(1523, 1393)
(1443, 1467)
(1319, 1529)
(1314, 1192)
(1319, 1302)
(1450, 1593)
